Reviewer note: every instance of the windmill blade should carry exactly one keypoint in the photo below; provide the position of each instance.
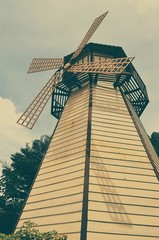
(32, 113)
(89, 34)
(108, 66)
(43, 64)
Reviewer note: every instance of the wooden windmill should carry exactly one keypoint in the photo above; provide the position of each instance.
(99, 177)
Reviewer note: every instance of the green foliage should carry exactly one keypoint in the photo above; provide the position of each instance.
(155, 141)
(17, 178)
(29, 232)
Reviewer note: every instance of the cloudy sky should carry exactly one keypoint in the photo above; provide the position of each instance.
(51, 28)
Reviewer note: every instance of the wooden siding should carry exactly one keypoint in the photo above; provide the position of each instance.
(55, 201)
(123, 196)
(123, 190)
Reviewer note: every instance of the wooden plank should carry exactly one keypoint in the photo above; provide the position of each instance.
(53, 160)
(123, 191)
(56, 186)
(61, 165)
(53, 202)
(123, 218)
(104, 137)
(121, 182)
(60, 171)
(111, 236)
(116, 150)
(105, 119)
(118, 145)
(123, 208)
(77, 206)
(121, 199)
(123, 175)
(123, 163)
(123, 229)
(115, 135)
(102, 115)
(56, 179)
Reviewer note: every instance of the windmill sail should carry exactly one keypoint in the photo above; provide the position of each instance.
(32, 113)
(89, 34)
(43, 64)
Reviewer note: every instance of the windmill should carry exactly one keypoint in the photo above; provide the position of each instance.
(109, 66)
(99, 177)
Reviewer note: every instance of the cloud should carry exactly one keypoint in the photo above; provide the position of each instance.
(13, 137)
(144, 6)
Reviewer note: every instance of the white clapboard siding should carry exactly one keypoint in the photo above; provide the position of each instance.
(123, 188)
(55, 201)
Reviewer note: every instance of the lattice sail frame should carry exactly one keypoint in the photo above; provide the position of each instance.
(32, 113)
(89, 34)
(43, 64)
(108, 66)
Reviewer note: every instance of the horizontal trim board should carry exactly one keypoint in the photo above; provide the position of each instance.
(124, 175)
(58, 172)
(70, 195)
(105, 178)
(66, 147)
(115, 236)
(113, 121)
(122, 199)
(56, 190)
(48, 215)
(74, 120)
(106, 188)
(137, 230)
(116, 135)
(125, 209)
(123, 213)
(116, 218)
(67, 144)
(56, 179)
(27, 208)
(74, 113)
(119, 156)
(75, 175)
(115, 193)
(42, 212)
(66, 153)
(110, 109)
(117, 144)
(72, 128)
(109, 100)
(117, 150)
(101, 113)
(99, 137)
(67, 125)
(59, 140)
(112, 117)
(104, 164)
(61, 166)
(71, 132)
(49, 159)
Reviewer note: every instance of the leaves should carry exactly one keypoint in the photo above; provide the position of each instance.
(29, 232)
(155, 141)
(17, 178)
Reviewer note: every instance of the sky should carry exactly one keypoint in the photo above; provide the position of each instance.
(51, 28)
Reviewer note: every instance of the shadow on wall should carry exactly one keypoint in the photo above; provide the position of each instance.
(113, 203)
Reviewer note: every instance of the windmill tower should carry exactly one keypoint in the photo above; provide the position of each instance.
(99, 177)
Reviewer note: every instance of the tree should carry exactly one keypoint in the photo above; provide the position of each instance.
(29, 232)
(18, 177)
(155, 141)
